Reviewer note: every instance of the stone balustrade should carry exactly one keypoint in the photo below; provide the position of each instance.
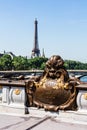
(82, 97)
(13, 97)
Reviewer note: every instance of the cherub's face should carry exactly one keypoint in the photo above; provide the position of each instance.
(52, 65)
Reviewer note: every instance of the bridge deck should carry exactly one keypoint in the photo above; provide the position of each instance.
(42, 122)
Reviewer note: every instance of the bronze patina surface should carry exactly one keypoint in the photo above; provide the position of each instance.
(54, 90)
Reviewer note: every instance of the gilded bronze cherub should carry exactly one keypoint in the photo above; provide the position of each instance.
(54, 90)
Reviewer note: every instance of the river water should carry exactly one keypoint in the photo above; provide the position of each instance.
(83, 79)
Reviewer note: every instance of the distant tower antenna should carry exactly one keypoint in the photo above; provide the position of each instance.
(43, 54)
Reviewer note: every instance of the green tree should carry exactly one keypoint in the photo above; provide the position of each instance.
(70, 64)
(36, 63)
(6, 62)
(43, 65)
(20, 63)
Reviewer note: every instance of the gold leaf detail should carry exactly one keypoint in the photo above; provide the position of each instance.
(17, 91)
(85, 96)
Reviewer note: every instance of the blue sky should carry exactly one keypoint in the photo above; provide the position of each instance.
(62, 27)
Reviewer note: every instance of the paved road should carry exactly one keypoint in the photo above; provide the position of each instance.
(52, 124)
(10, 122)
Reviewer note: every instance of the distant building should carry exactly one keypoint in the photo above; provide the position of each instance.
(8, 53)
(1, 55)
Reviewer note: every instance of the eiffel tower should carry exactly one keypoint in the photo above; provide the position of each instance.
(35, 51)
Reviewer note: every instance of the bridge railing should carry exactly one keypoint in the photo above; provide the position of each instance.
(39, 72)
(13, 95)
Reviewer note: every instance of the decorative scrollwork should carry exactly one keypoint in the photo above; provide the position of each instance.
(53, 90)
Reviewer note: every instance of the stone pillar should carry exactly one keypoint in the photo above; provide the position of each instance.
(82, 97)
(82, 100)
(13, 100)
(5, 95)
